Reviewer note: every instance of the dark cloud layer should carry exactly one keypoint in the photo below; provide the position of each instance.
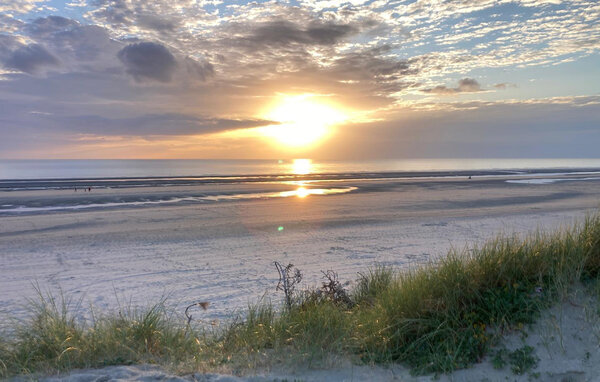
(148, 60)
(31, 59)
(166, 124)
(283, 33)
(65, 118)
(371, 65)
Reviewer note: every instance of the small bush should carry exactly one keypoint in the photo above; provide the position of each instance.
(499, 358)
(521, 360)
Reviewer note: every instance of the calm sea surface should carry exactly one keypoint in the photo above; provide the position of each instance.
(89, 169)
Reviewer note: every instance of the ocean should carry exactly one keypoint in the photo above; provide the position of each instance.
(43, 186)
(117, 168)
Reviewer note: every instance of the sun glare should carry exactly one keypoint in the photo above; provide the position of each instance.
(303, 120)
(302, 192)
(301, 166)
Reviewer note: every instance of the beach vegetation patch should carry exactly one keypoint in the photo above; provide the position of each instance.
(521, 360)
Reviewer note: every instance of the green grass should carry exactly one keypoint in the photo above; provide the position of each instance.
(435, 319)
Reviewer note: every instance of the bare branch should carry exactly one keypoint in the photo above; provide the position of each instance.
(203, 304)
(289, 277)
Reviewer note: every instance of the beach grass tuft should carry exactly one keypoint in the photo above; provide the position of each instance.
(54, 339)
(435, 318)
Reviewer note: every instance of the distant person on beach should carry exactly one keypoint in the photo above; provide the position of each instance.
(89, 189)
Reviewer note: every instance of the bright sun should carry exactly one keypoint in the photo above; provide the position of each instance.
(303, 120)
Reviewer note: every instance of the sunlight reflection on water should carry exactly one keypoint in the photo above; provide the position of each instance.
(303, 192)
(301, 166)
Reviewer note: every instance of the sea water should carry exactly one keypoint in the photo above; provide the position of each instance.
(42, 186)
(143, 168)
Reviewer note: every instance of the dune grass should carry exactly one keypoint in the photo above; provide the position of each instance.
(54, 339)
(435, 318)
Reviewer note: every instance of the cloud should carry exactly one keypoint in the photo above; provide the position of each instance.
(31, 59)
(114, 12)
(148, 60)
(151, 124)
(9, 24)
(19, 6)
(284, 33)
(81, 48)
(157, 16)
(153, 61)
(87, 43)
(8, 44)
(489, 130)
(200, 70)
(158, 23)
(466, 85)
(370, 64)
(44, 26)
(505, 85)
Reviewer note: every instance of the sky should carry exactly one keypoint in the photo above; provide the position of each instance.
(324, 79)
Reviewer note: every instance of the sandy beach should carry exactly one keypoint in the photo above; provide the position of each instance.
(223, 252)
